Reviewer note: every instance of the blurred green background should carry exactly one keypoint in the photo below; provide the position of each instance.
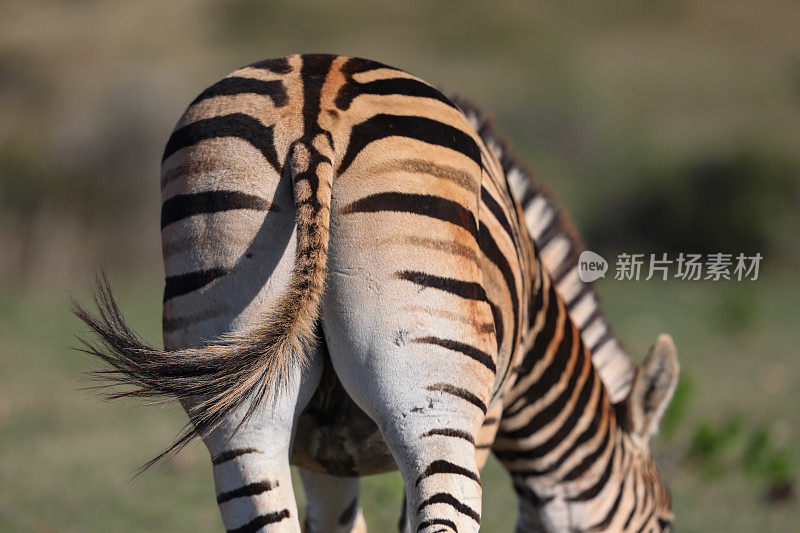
(663, 126)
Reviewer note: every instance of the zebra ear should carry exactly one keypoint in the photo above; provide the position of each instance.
(653, 385)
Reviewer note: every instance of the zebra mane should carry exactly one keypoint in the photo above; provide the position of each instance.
(522, 180)
(559, 246)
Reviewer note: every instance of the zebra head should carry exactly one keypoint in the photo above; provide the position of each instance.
(626, 493)
(651, 392)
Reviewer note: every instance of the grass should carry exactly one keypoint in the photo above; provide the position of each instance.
(67, 459)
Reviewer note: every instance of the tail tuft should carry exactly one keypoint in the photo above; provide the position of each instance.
(240, 369)
(215, 380)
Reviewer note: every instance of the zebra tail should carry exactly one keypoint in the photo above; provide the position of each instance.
(242, 368)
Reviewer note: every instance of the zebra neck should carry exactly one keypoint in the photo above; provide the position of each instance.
(572, 495)
(559, 247)
(581, 440)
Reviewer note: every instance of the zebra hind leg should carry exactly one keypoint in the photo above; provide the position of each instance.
(251, 468)
(332, 504)
(429, 409)
(428, 417)
(441, 480)
(429, 412)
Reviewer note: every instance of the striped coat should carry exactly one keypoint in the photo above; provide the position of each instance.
(352, 286)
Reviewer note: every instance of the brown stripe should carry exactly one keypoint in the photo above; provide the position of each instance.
(420, 166)
(171, 324)
(484, 328)
(447, 246)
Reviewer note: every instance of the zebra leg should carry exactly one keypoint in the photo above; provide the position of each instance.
(441, 479)
(332, 504)
(427, 397)
(482, 444)
(529, 520)
(251, 465)
(403, 526)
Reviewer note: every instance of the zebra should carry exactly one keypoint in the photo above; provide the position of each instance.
(559, 249)
(352, 288)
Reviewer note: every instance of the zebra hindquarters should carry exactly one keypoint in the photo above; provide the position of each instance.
(405, 320)
(229, 249)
